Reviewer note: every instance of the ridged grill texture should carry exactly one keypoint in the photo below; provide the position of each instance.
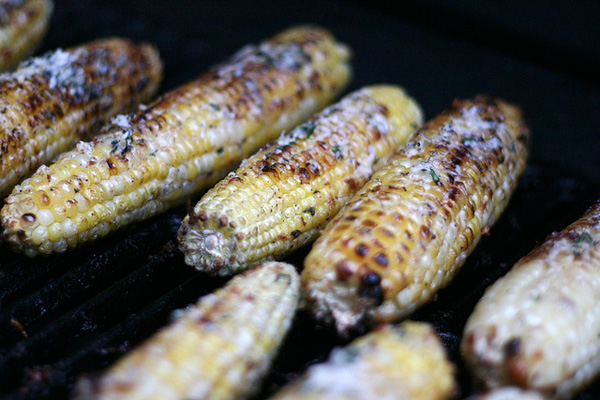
(408, 230)
(52, 101)
(219, 348)
(404, 362)
(538, 326)
(23, 24)
(281, 198)
(183, 142)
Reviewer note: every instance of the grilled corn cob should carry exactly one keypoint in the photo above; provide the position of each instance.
(508, 393)
(406, 362)
(407, 231)
(219, 348)
(538, 326)
(183, 142)
(280, 198)
(52, 101)
(23, 24)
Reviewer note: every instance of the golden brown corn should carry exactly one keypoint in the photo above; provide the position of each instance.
(51, 102)
(408, 230)
(406, 362)
(184, 142)
(508, 393)
(219, 348)
(23, 24)
(281, 197)
(538, 326)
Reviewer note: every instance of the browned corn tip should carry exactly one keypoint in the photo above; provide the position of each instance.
(404, 235)
(405, 362)
(538, 326)
(281, 197)
(182, 143)
(23, 25)
(52, 101)
(219, 348)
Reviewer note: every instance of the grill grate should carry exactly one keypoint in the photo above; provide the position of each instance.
(74, 314)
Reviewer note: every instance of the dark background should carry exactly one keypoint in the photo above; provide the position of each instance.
(67, 315)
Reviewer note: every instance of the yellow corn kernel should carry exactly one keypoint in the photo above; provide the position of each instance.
(538, 326)
(219, 348)
(237, 107)
(408, 230)
(51, 102)
(406, 362)
(22, 28)
(281, 197)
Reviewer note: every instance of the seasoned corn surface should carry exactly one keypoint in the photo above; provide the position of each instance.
(538, 326)
(508, 393)
(51, 102)
(23, 24)
(406, 362)
(281, 197)
(219, 348)
(183, 142)
(409, 229)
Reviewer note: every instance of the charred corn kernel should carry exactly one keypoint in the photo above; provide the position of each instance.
(51, 102)
(405, 362)
(538, 326)
(508, 393)
(281, 197)
(407, 231)
(186, 140)
(23, 24)
(219, 348)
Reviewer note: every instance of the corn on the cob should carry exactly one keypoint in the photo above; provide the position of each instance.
(508, 393)
(23, 24)
(406, 232)
(406, 362)
(280, 198)
(538, 326)
(183, 142)
(219, 348)
(52, 101)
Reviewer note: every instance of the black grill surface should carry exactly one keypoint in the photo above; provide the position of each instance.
(73, 314)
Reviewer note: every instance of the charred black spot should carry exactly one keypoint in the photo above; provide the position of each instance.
(28, 217)
(361, 250)
(310, 210)
(381, 259)
(512, 347)
(304, 175)
(295, 233)
(370, 286)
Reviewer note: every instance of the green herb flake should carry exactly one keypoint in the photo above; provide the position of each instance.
(308, 129)
(220, 150)
(337, 151)
(214, 106)
(434, 176)
(584, 237)
(468, 140)
(154, 153)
